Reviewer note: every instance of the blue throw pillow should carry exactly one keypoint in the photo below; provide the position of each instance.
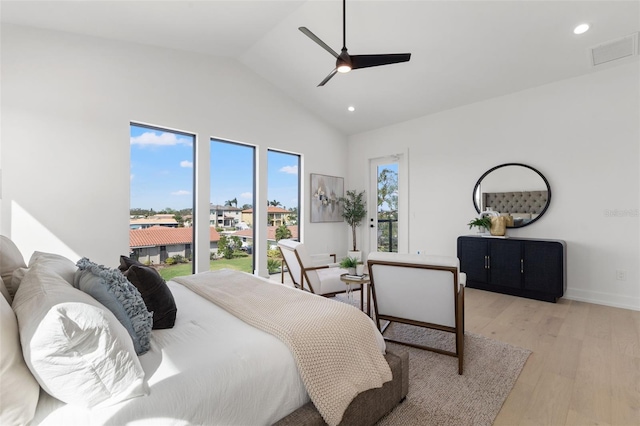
(111, 288)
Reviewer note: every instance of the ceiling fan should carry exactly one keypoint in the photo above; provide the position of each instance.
(346, 62)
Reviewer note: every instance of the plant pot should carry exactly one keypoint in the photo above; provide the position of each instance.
(360, 270)
(355, 254)
(351, 271)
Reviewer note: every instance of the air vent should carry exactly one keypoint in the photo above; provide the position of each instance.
(615, 50)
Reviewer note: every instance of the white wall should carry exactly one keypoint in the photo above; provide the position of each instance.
(66, 105)
(583, 134)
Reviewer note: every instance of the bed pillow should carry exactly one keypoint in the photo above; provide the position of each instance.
(10, 260)
(19, 391)
(109, 287)
(75, 348)
(56, 263)
(156, 294)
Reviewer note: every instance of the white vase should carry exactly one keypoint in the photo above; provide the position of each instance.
(356, 254)
(351, 271)
(360, 270)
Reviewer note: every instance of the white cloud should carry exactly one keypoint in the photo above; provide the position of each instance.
(292, 170)
(186, 163)
(246, 195)
(181, 192)
(162, 139)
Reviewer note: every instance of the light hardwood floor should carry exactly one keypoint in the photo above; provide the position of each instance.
(584, 368)
(585, 363)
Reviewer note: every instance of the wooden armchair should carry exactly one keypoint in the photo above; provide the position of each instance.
(425, 291)
(320, 275)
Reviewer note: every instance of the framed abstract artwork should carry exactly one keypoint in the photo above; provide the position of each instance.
(325, 194)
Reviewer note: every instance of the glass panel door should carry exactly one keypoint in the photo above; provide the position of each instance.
(384, 175)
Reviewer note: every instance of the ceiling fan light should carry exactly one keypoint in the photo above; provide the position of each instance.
(344, 68)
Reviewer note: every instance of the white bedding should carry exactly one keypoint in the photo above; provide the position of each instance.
(211, 368)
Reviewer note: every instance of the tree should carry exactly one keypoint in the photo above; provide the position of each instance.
(247, 206)
(293, 217)
(282, 232)
(230, 203)
(388, 193)
(178, 217)
(228, 244)
(355, 209)
(274, 203)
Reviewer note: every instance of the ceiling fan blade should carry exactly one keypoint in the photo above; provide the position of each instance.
(327, 78)
(315, 38)
(366, 61)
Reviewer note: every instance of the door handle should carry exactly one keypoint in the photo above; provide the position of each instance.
(522, 266)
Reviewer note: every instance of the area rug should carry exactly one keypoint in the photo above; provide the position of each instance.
(438, 395)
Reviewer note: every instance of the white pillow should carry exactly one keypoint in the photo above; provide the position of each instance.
(19, 391)
(55, 263)
(75, 348)
(10, 260)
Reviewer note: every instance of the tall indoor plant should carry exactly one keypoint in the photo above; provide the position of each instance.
(354, 211)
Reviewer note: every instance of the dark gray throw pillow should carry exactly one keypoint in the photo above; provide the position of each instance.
(109, 287)
(154, 290)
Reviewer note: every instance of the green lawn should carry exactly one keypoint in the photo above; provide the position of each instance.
(240, 263)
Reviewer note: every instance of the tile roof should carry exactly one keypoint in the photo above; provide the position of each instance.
(164, 236)
(271, 232)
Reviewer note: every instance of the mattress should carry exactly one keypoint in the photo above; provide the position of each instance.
(211, 368)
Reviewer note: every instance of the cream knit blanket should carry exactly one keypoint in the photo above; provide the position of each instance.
(333, 343)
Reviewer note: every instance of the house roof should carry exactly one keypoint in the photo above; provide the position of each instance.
(163, 236)
(225, 208)
(153, 220)
(271, 232)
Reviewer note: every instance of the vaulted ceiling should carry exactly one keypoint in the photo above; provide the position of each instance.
(462, 51)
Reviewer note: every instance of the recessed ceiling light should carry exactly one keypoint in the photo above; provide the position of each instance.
(351, 108)
(581, 29)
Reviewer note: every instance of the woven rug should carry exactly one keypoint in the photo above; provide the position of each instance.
(438, 395)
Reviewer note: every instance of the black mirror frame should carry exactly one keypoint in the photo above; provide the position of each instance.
(475, 188)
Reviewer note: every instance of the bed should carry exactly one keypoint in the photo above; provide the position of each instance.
(522, 207)
(209, 368)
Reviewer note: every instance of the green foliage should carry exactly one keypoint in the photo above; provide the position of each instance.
(228, 245)
(480, 222)
(355, 210)
(273, 253)
(349, 262)
(178, 258)
(282, 232)
(170, 261)
(240, 253)
(273, 265)
(388, 193)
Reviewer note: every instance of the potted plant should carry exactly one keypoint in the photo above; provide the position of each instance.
(354, 211)
(480, 223)
(350, 264)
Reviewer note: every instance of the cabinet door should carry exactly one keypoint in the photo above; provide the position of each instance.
(472, 253)
(543, 269)
(504, 263)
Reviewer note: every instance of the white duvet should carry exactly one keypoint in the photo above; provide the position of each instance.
(211, 368)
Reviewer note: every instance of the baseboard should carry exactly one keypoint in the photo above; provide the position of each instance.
(600, 298)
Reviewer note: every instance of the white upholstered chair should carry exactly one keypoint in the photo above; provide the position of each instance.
(425, 291)
(314, 273)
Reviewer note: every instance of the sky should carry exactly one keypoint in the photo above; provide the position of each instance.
(161, 173)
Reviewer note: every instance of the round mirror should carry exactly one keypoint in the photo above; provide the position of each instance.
(515, 190)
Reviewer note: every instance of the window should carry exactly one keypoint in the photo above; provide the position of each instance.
(283, 193)
(161, 199)
(231, 214)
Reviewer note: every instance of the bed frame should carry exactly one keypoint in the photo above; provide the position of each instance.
(369, 406)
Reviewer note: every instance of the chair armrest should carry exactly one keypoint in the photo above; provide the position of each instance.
(322, 258)
(462, 279)
(313, 268)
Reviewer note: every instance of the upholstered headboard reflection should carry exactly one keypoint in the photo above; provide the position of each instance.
(532, 202)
